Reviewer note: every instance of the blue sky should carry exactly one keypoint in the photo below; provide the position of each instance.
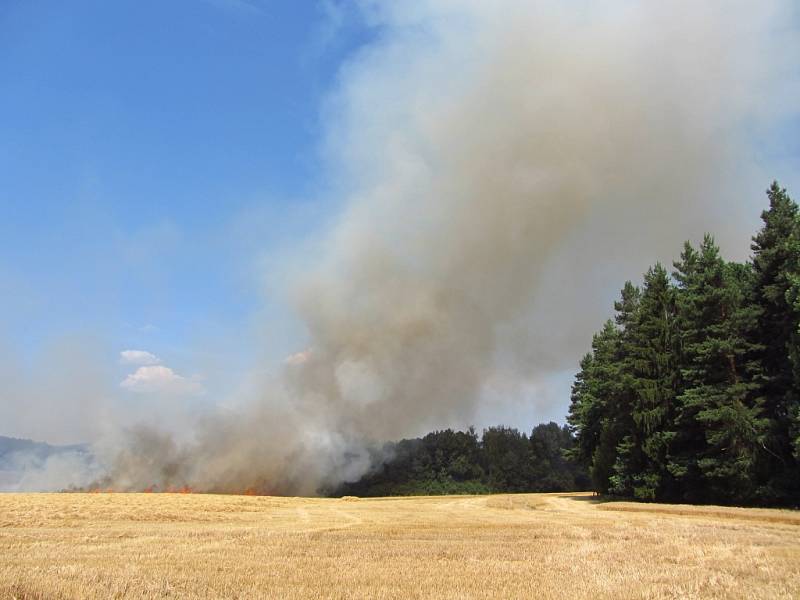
(151, 152)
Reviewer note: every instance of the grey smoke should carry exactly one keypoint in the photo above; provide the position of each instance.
(499, 163)
(26, 465)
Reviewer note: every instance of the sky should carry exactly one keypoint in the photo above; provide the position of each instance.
(154, 156)
(138, 136)
(160, 164)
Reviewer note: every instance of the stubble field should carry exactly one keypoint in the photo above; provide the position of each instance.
(514, 546)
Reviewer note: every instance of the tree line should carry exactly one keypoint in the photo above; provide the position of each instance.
(503, 459)
(691, 393)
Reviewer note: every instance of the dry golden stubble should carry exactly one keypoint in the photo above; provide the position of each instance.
(507, 546)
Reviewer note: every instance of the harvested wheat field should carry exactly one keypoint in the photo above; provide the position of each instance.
(533, 546)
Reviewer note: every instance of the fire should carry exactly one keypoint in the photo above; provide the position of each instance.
(150, 489)
(253, 490)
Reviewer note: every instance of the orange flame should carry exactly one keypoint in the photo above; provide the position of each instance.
(185, 489)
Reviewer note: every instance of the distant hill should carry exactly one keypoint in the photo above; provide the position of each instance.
(21, 456)
(40, 450)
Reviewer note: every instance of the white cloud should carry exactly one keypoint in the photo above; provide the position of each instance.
(298, 358)
(138, 357)
(158, 379)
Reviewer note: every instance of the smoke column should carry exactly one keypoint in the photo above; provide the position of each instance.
(478, 144)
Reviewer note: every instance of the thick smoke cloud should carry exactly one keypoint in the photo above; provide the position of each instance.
(494, 159)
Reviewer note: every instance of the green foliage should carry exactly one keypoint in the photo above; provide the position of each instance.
(719, 422)
(508, 461)
(551, 469)
(458, 462)
(653, 372)
(776, 265)
(691, 393)
(598, 408)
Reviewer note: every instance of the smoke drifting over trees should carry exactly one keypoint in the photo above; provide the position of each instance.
(481, 147)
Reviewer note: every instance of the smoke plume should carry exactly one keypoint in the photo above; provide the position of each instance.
(493, 159)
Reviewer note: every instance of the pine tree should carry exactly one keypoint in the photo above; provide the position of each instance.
(689, 438)
(793, 297)
(602, 396)
(718, 425)
(627, 455)
(776, 264)
(653, 375)
(596, 414)
(584, 417)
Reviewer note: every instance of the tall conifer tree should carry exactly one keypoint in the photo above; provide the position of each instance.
(595, 412)
(718, 425)
(651, 373)
(776, 263)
